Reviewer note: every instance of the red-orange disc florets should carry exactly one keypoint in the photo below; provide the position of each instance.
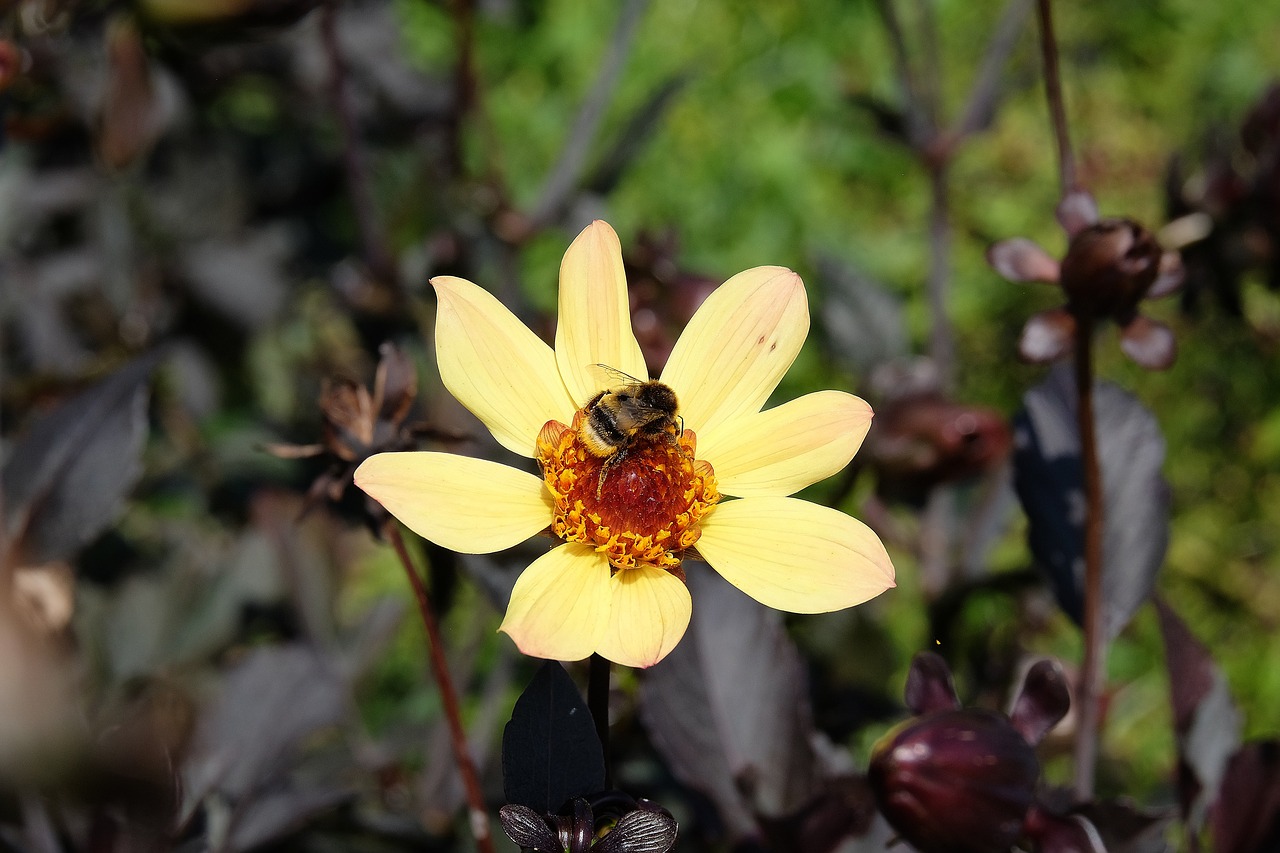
(648, 508)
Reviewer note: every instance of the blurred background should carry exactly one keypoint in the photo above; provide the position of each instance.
(215, 213)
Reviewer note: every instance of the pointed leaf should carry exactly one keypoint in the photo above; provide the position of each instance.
(1246, 816)
(1049, 482)
(66, 479)
(1206, 722)
(550, 751)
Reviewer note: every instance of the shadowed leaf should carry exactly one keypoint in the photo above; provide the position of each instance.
(729, 709)
(1205, 720)
(1049, 482)
(66, 480)
(550, 751)
(1246, 816)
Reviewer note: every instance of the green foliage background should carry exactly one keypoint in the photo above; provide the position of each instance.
(763, 159)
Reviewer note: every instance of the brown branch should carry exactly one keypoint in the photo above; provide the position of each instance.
(1053, 90)
(1092, 671)
(477, 813)
(986, 87)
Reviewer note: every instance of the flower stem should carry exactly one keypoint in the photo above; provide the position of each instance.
(477, 813)
(598, 702)
(1053, 90)
(1095, 642)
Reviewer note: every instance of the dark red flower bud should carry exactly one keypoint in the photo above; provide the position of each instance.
(1109, 267)
(958, 781)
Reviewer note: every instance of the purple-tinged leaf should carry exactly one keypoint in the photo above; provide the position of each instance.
(1047, 336)
(1246, 816)
(66, 479)
(729, 710)
(550, 751)
(930, 686)
(1042, 702)
(1049, 482)
(1149, 343)
(1020, 259)
(1077, 211)
(274, 699)
(640, 831)
(527, 828)
(1206, 722)
(277, 812)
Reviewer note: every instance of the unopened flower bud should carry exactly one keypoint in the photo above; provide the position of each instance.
(958, 781)
(1109, 267)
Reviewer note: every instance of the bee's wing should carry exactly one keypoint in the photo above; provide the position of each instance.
(605, 376)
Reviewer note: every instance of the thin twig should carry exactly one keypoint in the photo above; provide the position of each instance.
(377, 253)
(566, 173)
(986, 88)
(1053, 90)
(942, 347)
(1095, 643)
(478, 815)
(917, 130)
(598, 701)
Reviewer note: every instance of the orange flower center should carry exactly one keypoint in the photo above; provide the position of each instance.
(647, 508)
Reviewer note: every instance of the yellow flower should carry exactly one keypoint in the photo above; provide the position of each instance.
(614, 585)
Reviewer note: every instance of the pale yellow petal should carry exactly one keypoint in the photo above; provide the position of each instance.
(594, 326)
(781, 450)
(495, 366)
(738, 346)
(794, 555)
(560, 605)
(469, 505)
(648, 615)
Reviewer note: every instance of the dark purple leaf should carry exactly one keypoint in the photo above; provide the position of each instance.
(1047, 336)
(1043, 701)
(527, 828)
(1020, 259)
(729, 709)
(395, 386)
(273, 814)
(66, 479)
(1048, 479)
(550, 751)
(930, 686)
(271, 701)
(1205, 720)
(1246, 816)
(1149, 343)
(640, 832)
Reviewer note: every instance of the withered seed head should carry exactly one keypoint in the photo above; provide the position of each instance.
(1108, 269)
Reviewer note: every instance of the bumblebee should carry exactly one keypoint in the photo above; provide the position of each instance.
(620, 417)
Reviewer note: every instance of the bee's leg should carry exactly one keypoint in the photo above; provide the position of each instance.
(604, 469)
